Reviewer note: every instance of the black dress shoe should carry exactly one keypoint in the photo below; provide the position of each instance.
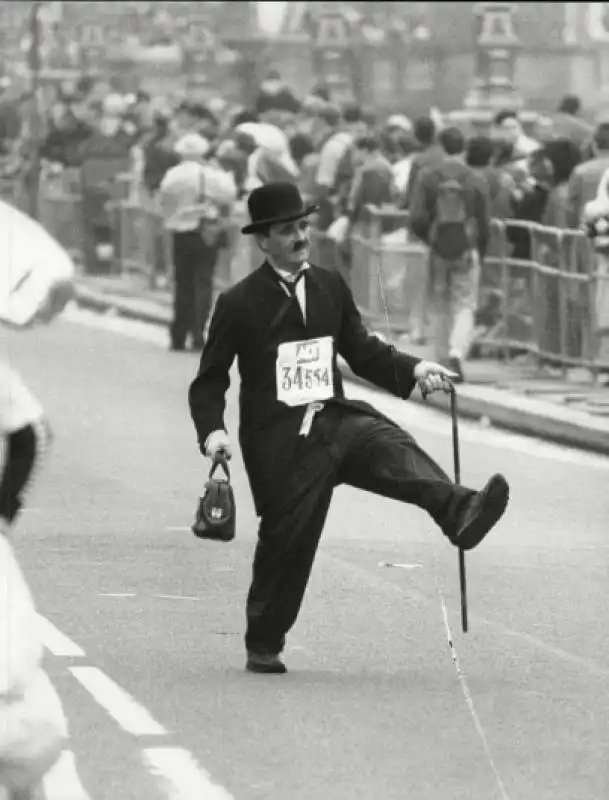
(481, 514)
(265, 664)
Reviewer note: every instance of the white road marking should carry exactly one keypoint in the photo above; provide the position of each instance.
(469, 700)
(130, 715)
(57, 642)
(410, 415)
(177, 597)
(184, 779)
(371, 579)
(122, 595)
(62, 782)
(401, 566)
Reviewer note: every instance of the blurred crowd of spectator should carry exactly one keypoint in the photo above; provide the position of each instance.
(343, 157)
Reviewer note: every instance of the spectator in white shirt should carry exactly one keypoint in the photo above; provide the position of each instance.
(405, 148)
(194, 195)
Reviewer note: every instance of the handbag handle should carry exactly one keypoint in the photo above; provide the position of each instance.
(220, 460)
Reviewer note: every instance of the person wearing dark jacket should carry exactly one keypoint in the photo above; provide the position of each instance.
(450, 212)
(159, 157)
(64, 141)
(479, 157)
(286, 323)
(275, 95)
(431, 153)
(568, 124)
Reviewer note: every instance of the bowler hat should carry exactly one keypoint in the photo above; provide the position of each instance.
(275, 202)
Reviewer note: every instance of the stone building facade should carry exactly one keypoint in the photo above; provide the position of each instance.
(411, 55)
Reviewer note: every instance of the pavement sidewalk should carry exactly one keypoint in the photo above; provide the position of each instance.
(565, 408)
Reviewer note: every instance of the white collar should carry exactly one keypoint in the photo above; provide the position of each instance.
(290, 277)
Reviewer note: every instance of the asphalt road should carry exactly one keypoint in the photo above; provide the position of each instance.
(146, 622)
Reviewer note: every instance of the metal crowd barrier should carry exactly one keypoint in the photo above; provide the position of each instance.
(141, 246)
(546, 301)
(553, 303)
(62, 215)
(138, 238)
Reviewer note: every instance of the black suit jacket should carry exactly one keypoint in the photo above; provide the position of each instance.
(249, 322)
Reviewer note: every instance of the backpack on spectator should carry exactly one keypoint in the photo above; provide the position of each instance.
(453, 230)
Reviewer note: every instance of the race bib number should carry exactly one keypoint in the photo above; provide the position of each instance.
(304, 371)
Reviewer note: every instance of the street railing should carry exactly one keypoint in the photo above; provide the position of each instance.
(62, 214)
(140, 245)
(547, 302)
(554, 304)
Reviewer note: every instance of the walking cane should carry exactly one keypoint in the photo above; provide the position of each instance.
(457, 461)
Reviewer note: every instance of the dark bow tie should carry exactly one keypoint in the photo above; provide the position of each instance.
(292, 285)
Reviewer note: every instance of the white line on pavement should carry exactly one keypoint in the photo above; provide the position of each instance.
(57, 642)
(62, 782)
(177, 597)
(184, 779)
(130, 715)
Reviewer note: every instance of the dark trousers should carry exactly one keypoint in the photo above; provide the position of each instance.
(194, 263)
(21, 452)
(348, 447)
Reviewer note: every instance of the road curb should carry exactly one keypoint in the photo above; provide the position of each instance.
(95, 301)
(517, 420)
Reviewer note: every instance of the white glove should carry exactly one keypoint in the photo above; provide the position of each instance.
(433, 377)
(216, 441)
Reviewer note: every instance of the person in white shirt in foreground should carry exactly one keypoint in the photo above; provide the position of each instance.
(33, 726)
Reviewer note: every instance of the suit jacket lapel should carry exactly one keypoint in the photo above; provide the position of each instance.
(318, 307)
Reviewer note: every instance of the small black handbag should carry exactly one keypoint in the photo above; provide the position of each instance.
(215, 518)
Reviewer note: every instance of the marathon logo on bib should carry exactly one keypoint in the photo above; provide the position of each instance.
(304, 371)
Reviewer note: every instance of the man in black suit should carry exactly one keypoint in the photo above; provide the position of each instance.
(286, 323)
